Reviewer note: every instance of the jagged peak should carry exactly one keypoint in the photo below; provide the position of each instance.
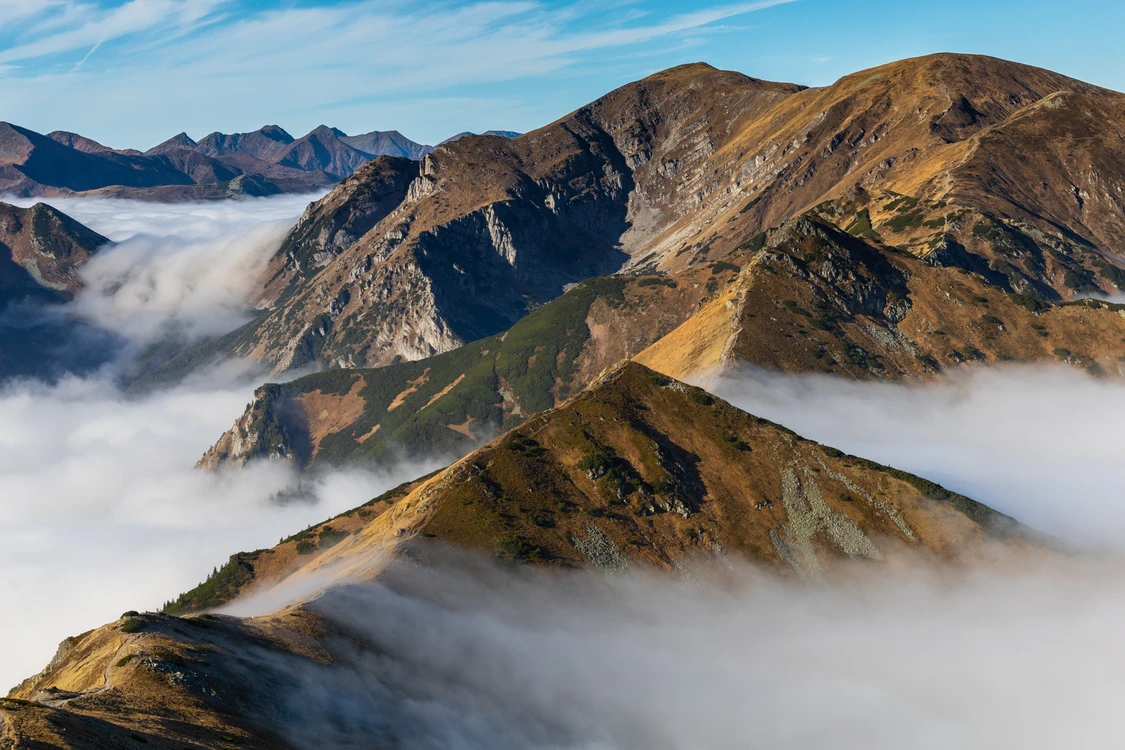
(326, 131)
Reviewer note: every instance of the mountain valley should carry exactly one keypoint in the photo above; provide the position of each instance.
(548, 316)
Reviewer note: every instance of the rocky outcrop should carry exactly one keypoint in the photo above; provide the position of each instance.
(271, 428)
(47, 245)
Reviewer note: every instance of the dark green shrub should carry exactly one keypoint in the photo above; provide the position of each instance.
(702, 397)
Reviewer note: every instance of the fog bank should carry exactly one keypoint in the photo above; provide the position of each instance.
(183, 269)
(500, 659)
(102, 511)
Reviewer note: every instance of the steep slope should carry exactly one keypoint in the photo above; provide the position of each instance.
(488, 229)
(898, 128)
(449, 403)
(639, 471)
(813, 298)
(680, 168)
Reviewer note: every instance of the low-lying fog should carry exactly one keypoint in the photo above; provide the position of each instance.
(100, 508)
(184, 268)
(505, 661)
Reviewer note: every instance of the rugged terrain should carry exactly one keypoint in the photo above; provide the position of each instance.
(264, 162)
(805, 297)
(814, 298)
(637, 471)
(1010, 171)
(447, 404)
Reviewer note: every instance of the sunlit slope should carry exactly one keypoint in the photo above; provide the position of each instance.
(814, 298)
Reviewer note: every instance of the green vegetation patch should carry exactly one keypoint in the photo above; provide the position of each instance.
(754, 244)
(861, 226)
(221, 586)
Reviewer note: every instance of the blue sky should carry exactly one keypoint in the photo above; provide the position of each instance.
(133, 73)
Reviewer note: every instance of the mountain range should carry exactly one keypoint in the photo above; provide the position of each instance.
(410, 259)
(264, 162)
(536, 307)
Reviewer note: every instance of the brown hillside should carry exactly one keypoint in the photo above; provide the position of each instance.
(813, 298)
(47, 244)
(682, 168)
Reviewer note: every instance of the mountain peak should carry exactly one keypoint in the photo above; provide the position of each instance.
(326, 131)
(276, 132)
(179, 141)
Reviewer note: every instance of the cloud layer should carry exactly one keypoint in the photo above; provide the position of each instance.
(476, 657)
(101, 510)
(186, 269)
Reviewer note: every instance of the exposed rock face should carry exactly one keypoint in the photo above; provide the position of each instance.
(683, 168)
(46, 244)
(487, 229)
(813, 298)
(271, 428)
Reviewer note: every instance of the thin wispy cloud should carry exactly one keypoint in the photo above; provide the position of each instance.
(202, 65)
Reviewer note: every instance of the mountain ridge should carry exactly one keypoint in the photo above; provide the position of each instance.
(683, 168)
(65, 163)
